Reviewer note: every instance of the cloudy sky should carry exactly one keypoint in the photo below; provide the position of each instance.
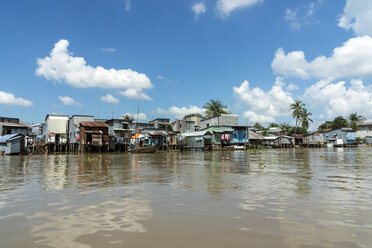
(168, 58)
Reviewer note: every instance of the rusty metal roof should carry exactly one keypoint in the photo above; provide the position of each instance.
(93, 124)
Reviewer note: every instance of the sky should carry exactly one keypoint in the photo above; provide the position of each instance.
(168, 58)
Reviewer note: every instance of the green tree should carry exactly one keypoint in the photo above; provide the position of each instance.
(273, 124)
(215, 108)
(339, 122)
(325, 126)
(285, 127)
(305, 119)
(354, 120)
(128, 118)
(258, 126)
(192, 115)
(297, 108)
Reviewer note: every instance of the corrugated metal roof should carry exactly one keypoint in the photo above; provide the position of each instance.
(5, 138)
(271, 138)
(196, 134)
(286, 136)
(93, 124)
(156, 133)
(8, 124)
(254, 136)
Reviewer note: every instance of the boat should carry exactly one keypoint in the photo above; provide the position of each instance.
(145, 149)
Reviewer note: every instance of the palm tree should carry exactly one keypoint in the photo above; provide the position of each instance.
(215, 108)
(297, 108)
(285, 127)
(273, 124)
(305, 119)
(258, 126)
(354, 119)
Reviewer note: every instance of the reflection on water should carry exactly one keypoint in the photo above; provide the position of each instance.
(62, 226)
(273, 198)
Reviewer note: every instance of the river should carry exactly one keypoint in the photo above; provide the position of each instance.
(266, 198)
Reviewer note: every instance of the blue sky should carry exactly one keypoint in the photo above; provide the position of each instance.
(169, 57)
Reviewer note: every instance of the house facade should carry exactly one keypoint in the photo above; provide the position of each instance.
(12, 128)
(365, 129)
(56, 129)
(220, 120)
(183, 126)
(120, 130)
(316, 138)
(74, 127)
(240, 135)
(94, 133)
(12, 143)
(196, 120)
(347, 135)
(160, 123)
(197, 140)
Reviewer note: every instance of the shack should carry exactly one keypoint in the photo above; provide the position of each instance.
(12, 143)
(197, 140)
(216, 134)
(74, 127)
(156, 137)
(12, 128)
(240, 135)
(368, 140)
(315, 139)
(94, 133)
(121, 131)
(286, 141)
(347, 135)
(272, 141)
(255, 139)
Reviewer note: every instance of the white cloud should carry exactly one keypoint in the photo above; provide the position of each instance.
(225, 7)
(340, 98)
(138, 94)
(108, 49)
(357, 16)
(302, 15)
(10, 99)
(291, 16)
(62, 65)
(292, 87)
(264, 106)
(109, 99)
(141, 116)
(198, 9)
(160, 77)
(352, 59)
(127, 5)
(66, 100)
(180, 112)
(254, 117)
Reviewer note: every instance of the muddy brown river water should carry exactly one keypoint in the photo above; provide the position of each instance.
(271, 198)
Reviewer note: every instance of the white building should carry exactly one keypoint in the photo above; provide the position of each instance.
(365, 129)
(56, 128)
